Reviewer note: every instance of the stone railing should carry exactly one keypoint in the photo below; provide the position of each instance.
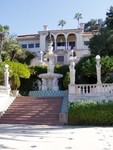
(107, 88)
(90, 92)
(85, 88)
(3, 90)
(93, 88)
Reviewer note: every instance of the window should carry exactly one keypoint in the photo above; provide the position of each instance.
(72, 44)
(61, 44)
(86, 42)
(31, 45)
(37, 45)
(60, 58)
(24, 45)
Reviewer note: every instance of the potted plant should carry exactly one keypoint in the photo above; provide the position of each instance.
(15, 84)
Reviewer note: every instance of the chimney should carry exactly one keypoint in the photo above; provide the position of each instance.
(45, 27)
(82, 26)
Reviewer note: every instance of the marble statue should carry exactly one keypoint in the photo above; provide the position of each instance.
(44, 84)
(49, 37)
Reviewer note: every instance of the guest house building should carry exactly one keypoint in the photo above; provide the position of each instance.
(64, 41)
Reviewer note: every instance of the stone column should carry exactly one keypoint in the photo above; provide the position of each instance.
(41, 56)
(66, 42)
(72, 72)
(72, 75)
(98, 69)
(6, 79)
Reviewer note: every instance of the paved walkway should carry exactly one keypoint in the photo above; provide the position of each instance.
(28, 137)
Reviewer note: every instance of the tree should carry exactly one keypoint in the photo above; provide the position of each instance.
(102, 43)
(78, 16)
(86, 70)
(96, 44)
(2, 69)
(94, 24)
(11, 48)
(16, 72)
(62, 23)
(109, 18)
(3, 33)
(89, 68)
(18, 68)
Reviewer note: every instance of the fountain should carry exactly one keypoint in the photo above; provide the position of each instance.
(50, 79)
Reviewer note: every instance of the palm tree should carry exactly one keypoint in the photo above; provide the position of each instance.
(3, 33)
(62, 23)
(78, 16)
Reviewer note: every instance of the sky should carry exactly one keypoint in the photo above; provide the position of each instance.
(29, 16)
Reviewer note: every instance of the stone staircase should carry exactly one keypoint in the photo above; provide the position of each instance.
(33, 110)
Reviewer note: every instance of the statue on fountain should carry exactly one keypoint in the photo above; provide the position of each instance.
(49, 37)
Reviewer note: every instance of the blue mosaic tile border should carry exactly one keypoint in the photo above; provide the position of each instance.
(64, 94)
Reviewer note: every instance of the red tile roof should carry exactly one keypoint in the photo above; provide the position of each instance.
(29, 36)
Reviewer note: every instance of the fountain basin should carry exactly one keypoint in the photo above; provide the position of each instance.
(49, 55)
(50, 81)
(50, 75)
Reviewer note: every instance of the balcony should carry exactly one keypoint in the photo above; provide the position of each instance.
(61, 47)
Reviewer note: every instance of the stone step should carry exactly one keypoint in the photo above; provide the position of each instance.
(31, 114)
(29, 118)
(31, 122)
(33, 110)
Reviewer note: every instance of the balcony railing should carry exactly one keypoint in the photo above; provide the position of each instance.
(61, 47)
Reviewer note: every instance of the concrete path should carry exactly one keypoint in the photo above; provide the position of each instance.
(37, 137)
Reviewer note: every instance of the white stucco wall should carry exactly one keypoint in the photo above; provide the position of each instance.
(42, 42)
(35, 49)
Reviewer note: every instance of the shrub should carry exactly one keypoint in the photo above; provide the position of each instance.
(62, 69)
(66, 80)
(20, 69)
(15, 82)
(91, 113)
(35, 71)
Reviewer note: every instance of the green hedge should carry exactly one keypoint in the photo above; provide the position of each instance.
(91, 113)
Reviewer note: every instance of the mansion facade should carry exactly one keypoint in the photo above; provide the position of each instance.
(64, 41)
